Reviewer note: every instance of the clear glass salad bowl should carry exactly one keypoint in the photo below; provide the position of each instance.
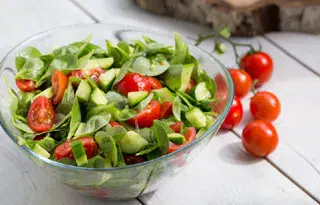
(122, 182)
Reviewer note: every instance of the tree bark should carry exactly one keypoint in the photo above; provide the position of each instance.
(243, 17)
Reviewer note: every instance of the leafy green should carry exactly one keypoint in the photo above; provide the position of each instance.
(95, 162)
(176, 108)
(120, 101)
(124, 46)
(121, 161)
(123, 72)
(147, 150)
(145, 102)
(147, 134)
(119, 55)
(116, 132)
(181, 54)
(47, 143)
(94, 124)
(160, 131)
(107, 145)
(67, 101)
(75, 118)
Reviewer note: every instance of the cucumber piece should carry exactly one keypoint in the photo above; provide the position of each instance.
(136, 97)
(186, 76)
(177, 77)
(41, 151)
(48, 93)
(196, 117)
(98, 97)
(106, 79)
(177, 138)
(83, 92)
(210, 121)
(100, 62)
(132, 142)
(201, 92)
(201, 132)
(164, 94)
(79, 152)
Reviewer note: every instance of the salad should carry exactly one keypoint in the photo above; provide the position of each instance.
(84, 105)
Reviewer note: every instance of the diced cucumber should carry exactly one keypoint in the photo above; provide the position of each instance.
(40, 151)
(132, 142)
(83, 92)
(176, 138)
(201, 132)
(100, 62)
(46, 93)
(106, 79)
(164, 94)
(201, 92)
(98, 97)
(196, 117)
(186, 76)
(210, 121)
(136, 97)
(79, 152)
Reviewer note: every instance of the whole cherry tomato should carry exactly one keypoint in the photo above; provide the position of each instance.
(265, 106)
(133, 159)
(260, 138)
(59, 84)
(41, 115)
(145, 117)
(190, 85)
(258, 65)
(242, 82)
(93, 73)
(235, 114)
(176, 127)
(190, 135)
(166, 110)
(154, 83)
(114, 124)
(133, 82)
(64, 150)
(26, 85)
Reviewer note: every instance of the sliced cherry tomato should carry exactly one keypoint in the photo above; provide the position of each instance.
(235, 114)
(265, 106)
(154, 83)
(190, 85)
(176, 127)
(145, 117)
(258, 65)
(166, 110)
(41, 115)
(93, 73)
(260, 138)
(242, 82)
(114, 124)
(64, 150)
(190, 135)
(133, 82)
(133, 159)
(59, 84)
(26, 85)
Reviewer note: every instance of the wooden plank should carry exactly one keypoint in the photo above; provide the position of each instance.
(23, 183)
(303, 47)
(100, 9)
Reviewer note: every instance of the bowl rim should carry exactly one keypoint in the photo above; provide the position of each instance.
(128, 28)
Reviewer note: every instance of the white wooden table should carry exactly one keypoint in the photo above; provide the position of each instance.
(223, 173)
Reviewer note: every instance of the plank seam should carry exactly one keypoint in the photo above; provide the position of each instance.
(84, 11)
(291, 55)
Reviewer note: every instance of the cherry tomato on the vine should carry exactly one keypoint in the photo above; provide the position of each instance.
(26, 85)
(265, 106)
(41, 115)
(235, 114)
(242, 82)
(260, 138)
(133, 82)
(258, 65)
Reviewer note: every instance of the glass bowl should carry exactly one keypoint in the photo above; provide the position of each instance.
(123, 182)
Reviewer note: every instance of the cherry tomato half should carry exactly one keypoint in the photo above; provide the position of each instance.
(258, 65)
(64, 150)
(260, 138)
(265, 106)
(59, 84)
(133, 82)
(235, 114)
(154, 83)
(41, 115)
(93, 73)
(133, 159)
(242, 82)
(190, 135)
(114, 124)
(145, 117)
(190, 85)
(166, 110)
(26, 85)
(176, 127)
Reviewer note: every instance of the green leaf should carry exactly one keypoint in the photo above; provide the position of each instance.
(95, 162)
(147, 134)
(159, 65)
(107, 145)
(147, 150)
(75, 118)
(47, 143)
(120, 101)
(94, 124)
(123, 72)
(141, 65)
(121, 162)
(18, 122)
(64, 62)
(176, 108)
(154, 154)
(67, 101)
(116, 132)
(32, 69)
(124, 46)
(145, 102)
(148, 40)
(67, 161)
(160, 133)
(29, 52)
(181, 51)
(119, 55)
